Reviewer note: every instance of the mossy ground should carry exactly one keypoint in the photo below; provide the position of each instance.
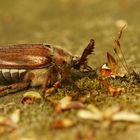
(36, 118)
(72, 24)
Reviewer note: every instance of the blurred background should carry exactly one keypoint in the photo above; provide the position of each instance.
(71, 24)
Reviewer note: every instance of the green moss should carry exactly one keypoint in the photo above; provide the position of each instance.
(36, 118)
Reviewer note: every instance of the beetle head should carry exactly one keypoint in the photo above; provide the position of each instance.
(81, 62)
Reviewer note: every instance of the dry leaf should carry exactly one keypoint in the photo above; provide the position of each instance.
(111, 111)
(113, 65)
(126, 116)
(75, 105)
(113, 69)
(30, 97)
(88, 134)
(105, 71)
(111, 114)
(92, 112)
(62, 104)
(66, 103)
(62, 123)
(115, 91)
(8, 124)
(15, 116)
(88, 95)
(85, 114)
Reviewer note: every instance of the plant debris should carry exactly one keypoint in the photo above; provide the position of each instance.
(9, 124)
(31, 97)
(112, 114)
(114, 91)
(66, 103)
(62, 123)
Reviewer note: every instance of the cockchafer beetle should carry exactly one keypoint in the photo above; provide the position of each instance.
(25, 65)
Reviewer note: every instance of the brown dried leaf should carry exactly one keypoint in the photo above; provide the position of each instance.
(115, 91)
(88, 95)
(105, 71)
(30, 97)
(6, 125)
(62, 123)
(113, 65)
(66, 103)
(75, 105)
(62, 104)
(89, 134)
(112, 70)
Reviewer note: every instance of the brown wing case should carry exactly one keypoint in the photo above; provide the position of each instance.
(25, 56)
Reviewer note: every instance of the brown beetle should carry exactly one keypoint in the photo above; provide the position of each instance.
(33, 65)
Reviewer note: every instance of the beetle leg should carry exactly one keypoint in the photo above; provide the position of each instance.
(52, 89)
(13, 88)
(54, 71)
(57, 84)
(51, 76)
(65, 75)
(47, 82)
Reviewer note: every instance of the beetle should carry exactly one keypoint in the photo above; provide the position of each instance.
(31, 65)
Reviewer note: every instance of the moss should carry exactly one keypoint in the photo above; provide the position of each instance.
(36, 118)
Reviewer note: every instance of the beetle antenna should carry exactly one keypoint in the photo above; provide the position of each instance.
(87, 51)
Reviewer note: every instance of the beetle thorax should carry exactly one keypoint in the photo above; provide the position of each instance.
(61, 57)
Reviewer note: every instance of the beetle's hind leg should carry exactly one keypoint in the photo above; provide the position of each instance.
(13, 88)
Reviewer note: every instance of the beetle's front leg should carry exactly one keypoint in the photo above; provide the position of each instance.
(65, 75)
(51, 90)
(55, 71)
(13, 88)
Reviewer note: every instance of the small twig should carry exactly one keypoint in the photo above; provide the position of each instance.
(118, 47)
(117, 54)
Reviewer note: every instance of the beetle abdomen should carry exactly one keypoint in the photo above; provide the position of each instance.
(11, 75)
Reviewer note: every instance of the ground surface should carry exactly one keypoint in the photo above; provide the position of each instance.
(71, 24)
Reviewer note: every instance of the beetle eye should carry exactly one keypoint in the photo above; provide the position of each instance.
(75, 62)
